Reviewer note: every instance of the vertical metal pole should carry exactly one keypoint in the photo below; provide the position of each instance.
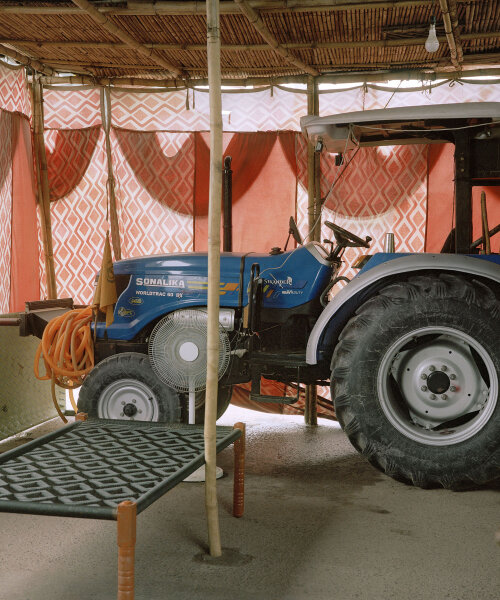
(314, 227)
(463, 193)
(227, 205)
(126, 534)
(214, 219)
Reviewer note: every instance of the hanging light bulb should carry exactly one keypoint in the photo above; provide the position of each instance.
(431, 43)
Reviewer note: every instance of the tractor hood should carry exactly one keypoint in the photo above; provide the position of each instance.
(153, 286)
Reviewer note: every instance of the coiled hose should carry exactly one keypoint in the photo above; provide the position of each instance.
(67, 351)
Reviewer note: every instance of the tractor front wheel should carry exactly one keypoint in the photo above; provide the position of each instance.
(415, 381)
(124, 386)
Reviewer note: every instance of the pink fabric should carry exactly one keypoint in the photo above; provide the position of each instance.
(25, 281)
(155, 208)
(162, 164)
(440, 218)
(167, 111)
(69, 152)
(78, 230)
(5, 208)
(262, 177)
(382, 190)
(14, 93)
(71, 109)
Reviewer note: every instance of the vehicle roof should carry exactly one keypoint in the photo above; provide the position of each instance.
(402, 125)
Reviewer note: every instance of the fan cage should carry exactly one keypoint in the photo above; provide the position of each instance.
(166, 341)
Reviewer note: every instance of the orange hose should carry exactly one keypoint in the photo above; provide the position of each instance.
(67, 352)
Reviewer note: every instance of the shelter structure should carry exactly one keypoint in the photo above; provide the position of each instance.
(115, 95)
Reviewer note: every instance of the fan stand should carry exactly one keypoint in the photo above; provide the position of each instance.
(192, 402)
(199, 474)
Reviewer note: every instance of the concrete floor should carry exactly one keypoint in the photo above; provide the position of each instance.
(320, 523)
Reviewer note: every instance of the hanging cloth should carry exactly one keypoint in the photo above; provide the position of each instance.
(105, 294)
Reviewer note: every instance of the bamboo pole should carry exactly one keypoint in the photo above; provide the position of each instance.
(43, 187)
(121, 34)
(113, 214)
(255, 19)
(194, 7)
(452, 34)
(362, 77)
(416, 41)
(26, 60)
(434, 68)
(214, 221)
(310, 408)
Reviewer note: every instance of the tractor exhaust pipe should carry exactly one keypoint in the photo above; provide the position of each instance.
(227, 206)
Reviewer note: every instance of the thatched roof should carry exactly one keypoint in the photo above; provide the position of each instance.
(273, 38)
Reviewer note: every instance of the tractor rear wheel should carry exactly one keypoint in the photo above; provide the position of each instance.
(415, 381)
(124, 386)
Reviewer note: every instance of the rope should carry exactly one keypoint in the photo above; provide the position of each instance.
(67, 352)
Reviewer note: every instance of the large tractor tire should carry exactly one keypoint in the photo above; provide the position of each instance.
(124, 386)
(415, 381)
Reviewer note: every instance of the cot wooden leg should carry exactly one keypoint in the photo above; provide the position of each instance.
(239, 473)
(126, 521)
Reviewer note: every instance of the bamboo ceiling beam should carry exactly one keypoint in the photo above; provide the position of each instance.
(418, 41)
(109, 26)
(27, 61)
(417, 75)
(450, 21)
(226, 7)
(256, 20)
(236, 72)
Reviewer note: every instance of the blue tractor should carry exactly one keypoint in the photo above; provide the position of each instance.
(410, 346)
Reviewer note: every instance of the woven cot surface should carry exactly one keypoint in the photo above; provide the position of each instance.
(98, 464)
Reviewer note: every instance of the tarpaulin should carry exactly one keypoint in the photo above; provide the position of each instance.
(14, 94)
(25, 276)
(19, 278)
(441, 215)
(264, 188)
(69, 152)
(154, 189)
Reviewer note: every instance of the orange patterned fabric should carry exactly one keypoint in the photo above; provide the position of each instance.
(14, 94)
(71, 109)
(154, 190)
(69, 152)
(5, 208)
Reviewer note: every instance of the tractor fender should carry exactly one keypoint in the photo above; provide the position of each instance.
(371, 278)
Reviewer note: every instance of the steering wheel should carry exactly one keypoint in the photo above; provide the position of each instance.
(346, 238)
(293, 231)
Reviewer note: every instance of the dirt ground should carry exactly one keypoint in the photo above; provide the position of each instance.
(320, 523)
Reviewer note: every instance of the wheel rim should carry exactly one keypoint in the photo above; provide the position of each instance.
(128, 399)
(437, 386)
